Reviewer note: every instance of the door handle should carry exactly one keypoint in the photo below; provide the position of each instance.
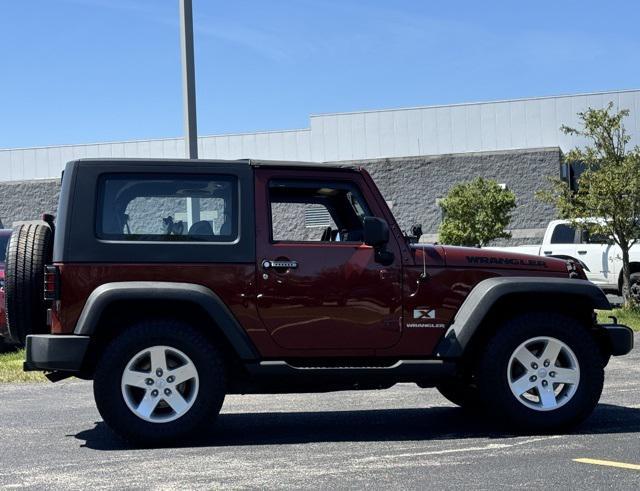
(275, 264)
(582, 252)
(548, 252)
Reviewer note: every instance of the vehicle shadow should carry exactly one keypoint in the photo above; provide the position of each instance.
(440, 423)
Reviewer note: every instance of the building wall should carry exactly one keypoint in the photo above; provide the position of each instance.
(412, 186)
(27, 200)
(462, 128)
(394, 133)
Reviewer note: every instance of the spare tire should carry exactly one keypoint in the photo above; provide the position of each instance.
(30, 248)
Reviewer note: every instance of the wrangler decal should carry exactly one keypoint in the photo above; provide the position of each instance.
(506, 260)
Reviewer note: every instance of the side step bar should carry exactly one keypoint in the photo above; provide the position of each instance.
(279, 376)
(401, 369)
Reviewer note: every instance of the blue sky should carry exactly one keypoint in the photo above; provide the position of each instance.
(75, 71)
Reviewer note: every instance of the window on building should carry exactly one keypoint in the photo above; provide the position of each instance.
(570, 172)
(316, 215)
(300, 222)
(168, 208)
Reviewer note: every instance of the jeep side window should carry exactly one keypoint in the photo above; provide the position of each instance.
(150, 207)
(309, 211)
(563, 234)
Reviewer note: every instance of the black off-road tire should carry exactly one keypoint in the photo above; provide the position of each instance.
(460, 393)
(29, 249)
(496, 395)
(109, 398)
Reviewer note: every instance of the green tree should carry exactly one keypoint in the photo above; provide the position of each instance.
(609, 187)
(476, 213)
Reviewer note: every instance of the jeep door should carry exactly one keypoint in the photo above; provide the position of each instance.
(319, 286)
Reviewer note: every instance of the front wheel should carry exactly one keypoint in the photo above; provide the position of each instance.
(158, 382)
(541, 372)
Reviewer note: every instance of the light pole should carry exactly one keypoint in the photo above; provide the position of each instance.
(189, 98)
(188, 79)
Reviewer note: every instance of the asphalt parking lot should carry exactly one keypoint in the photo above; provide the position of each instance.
(405, 437)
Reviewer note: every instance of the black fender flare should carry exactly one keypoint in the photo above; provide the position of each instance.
(106, 294)
(486, 293)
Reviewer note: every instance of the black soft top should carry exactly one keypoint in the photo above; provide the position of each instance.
(211, 162)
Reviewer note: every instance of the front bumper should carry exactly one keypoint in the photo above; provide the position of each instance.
(51, 352)
(619, 338)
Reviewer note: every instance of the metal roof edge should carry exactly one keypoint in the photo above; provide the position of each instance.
(458, 104)
(149, 140)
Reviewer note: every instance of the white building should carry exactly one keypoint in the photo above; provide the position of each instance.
(459, 128)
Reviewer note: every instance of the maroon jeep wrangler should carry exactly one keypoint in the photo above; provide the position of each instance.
(173, 283)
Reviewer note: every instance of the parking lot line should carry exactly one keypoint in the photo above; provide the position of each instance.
(610, 463)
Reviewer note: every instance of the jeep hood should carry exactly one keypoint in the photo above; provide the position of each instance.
(470, 257)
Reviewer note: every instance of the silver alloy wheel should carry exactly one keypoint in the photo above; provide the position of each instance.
(160, 384)
(543, 373)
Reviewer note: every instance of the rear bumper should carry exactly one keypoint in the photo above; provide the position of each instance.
(620, 338)
(50, 352)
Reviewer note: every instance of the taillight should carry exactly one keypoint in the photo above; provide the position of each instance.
(51, 283)
(576, 269)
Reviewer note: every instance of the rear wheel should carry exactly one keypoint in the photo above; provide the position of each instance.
(29, 249)
(541, 372)
(158, 382)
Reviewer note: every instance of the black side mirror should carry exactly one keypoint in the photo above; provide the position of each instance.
(376, 232)
(416, 233)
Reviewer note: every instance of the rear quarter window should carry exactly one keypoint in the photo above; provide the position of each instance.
(167, 208)
(563, 234)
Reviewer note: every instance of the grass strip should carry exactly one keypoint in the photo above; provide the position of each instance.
(628, 317)
(11, 369)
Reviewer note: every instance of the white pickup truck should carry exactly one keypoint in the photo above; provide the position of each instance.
(600, 255)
